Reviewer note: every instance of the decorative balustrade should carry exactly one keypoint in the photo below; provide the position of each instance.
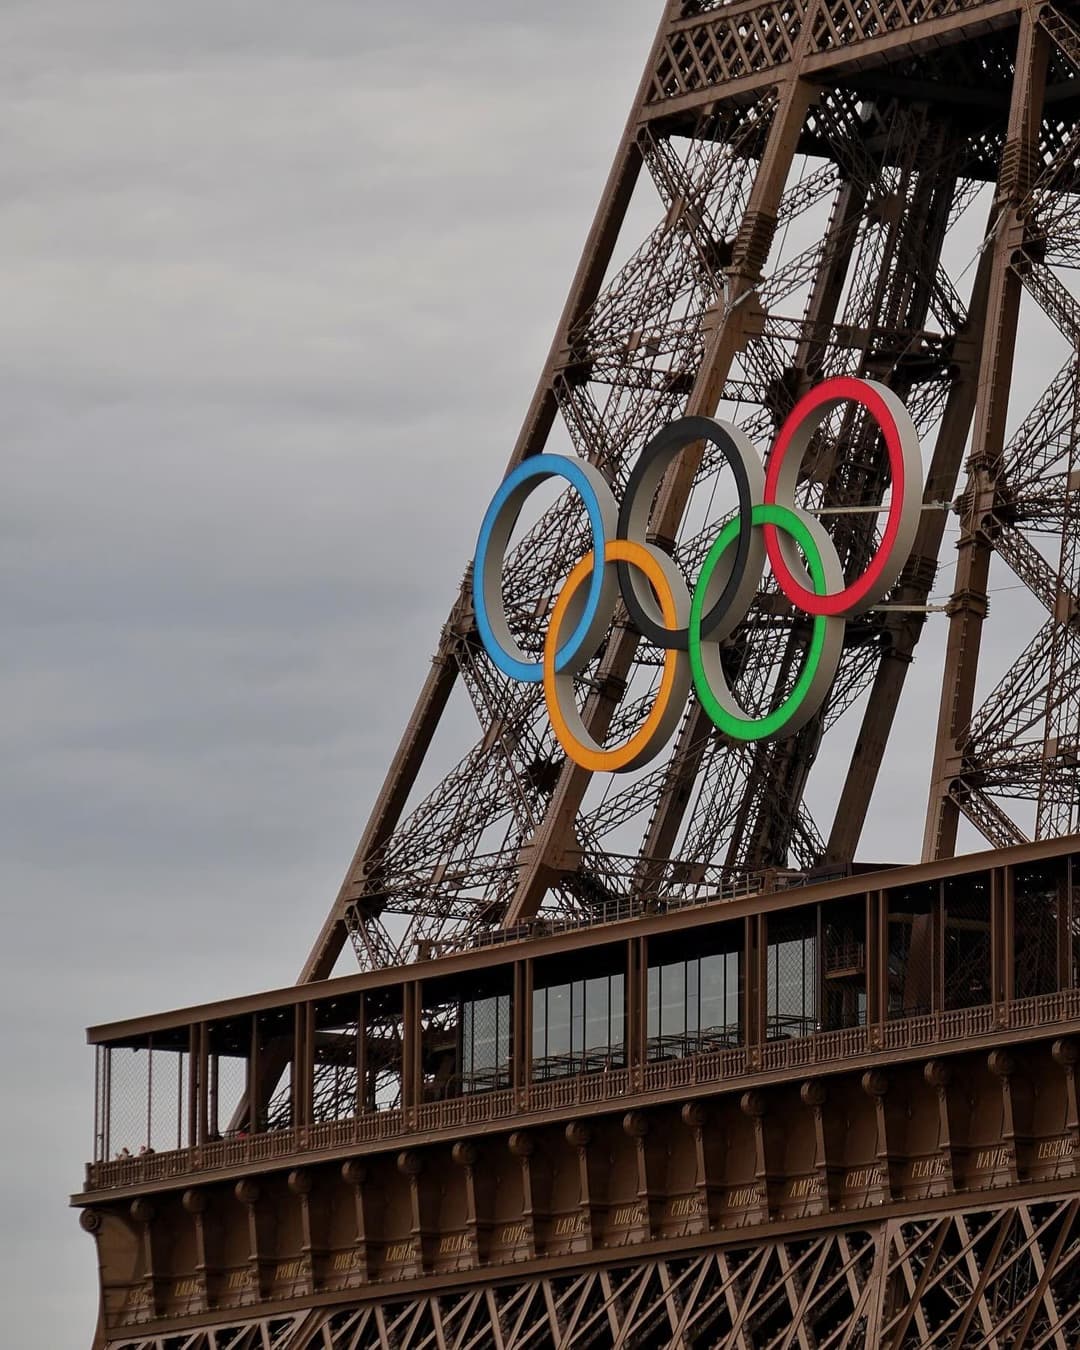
(936, 1030)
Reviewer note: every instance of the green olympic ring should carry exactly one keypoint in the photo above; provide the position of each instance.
(822, 654)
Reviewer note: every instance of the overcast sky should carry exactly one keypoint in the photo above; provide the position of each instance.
(278, 282)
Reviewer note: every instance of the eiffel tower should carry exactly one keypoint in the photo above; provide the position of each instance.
(648, 1058)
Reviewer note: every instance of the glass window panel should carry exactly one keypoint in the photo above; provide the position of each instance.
(843, 957)
(504, 1033)
(485, 1040)
(792, 971)
(597, 1022)
(911, 949)
(334, 1087)
(712, 992)
(539, 1034)
(967, 941)
(583, 1024)
(693, 971)
(673, 999)
(732, 1004)
(485, 1034)
(559, 1020)
(467, 1037)
(653, 1011)
(577, 1017)
(1041, 900)
(618, 1011)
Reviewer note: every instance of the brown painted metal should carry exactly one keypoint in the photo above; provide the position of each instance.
(906, 110)
(980, 1276)
(895, 1163)
(969, 605)
(913, 1139)
(559, 941)
(601, 241)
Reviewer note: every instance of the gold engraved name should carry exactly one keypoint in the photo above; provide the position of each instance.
(861, 1177)
(515, 1232)
(805, 1188)
(927, 1169)
(993, 1157)
(238, 1279)
(570, 1226)
(689, 1207)
(454, 1244)
(140, 1298)
(626, 1214)
(345, 1261)
(1054, 1148)
(399, 1251)
(745, 1195)
(186, 1288)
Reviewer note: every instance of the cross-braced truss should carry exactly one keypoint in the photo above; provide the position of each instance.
(871, 190)
(885, 190)
(1020, 745)
(971, 1280)
(882, 222)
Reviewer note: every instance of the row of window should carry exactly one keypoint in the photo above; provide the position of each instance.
(938, 953)
(580, 1026)
(815, 978)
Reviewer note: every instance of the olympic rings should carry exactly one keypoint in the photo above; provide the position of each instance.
(495, 532)
(691, 629)
(905, 465)
(725, 608)
(657, 728)
(826, 637)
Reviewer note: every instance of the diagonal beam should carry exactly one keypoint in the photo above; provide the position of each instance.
(969, 604)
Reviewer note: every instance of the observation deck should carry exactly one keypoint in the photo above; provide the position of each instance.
(815, 1055)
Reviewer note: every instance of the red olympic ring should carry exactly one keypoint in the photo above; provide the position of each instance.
(781, 481)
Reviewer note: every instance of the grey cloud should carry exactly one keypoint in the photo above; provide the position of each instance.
(278, 280)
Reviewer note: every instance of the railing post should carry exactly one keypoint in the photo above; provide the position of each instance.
(756, 985)
(149, 1142)
(521, 1045)
(307, 1104)
(361, 1057)
(1002, 954)
(107, 1126)
(876, 965)
(637, 998)
(410, 1049)
(251, 1092)
(201, 1095)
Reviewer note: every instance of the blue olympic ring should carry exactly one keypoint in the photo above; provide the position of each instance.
(491, 546)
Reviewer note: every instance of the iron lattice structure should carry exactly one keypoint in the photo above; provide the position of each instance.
(840, 190)
(887, 189)
(1006, 1275)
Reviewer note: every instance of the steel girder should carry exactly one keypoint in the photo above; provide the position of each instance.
(736, 301)
(971, 1279)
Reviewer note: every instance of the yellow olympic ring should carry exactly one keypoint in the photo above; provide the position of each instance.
(671, 697)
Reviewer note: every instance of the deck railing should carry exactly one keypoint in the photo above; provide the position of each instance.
(939, 1030)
